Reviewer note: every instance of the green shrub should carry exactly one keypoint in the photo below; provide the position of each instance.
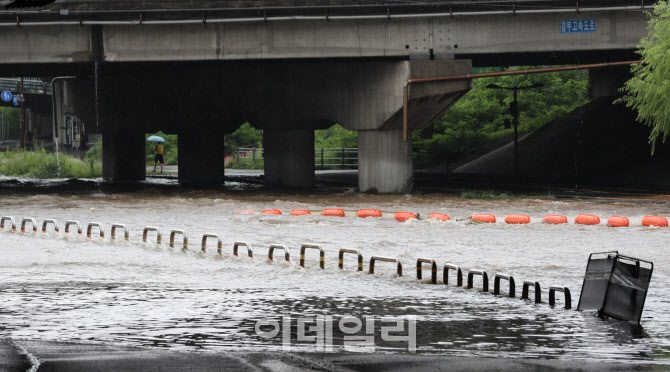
(40, 164)
(484, 195)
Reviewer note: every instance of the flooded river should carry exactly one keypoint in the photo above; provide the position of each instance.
(68, 288)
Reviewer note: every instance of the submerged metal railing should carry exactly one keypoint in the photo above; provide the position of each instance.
(536, 289)
(566, 294)
(10, 219)
(354, 251)
(72, 222)
(420, 261)
(145, 232)
(496, 284)
(237, 245)
(126, 232)
(46, 223)
(287, 253)
(184, 238)
(385, 259)
(203, 244)
(322, 254)
(485, 279)
(31, 220)
(91, 225)
(459, 274)
(433, 269)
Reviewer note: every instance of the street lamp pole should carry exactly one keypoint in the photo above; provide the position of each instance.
(515, 114)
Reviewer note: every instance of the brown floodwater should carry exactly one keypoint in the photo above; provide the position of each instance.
(67, 288)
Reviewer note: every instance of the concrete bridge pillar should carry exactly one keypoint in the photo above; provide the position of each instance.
(606, 82)
(201, 158)
(123, 152)
(384, 161)
(289, 157)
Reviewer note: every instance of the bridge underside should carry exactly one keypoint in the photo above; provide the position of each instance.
(288, 100)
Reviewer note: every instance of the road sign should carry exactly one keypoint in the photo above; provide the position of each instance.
(15, 100)
(6, 95)
(575, 26)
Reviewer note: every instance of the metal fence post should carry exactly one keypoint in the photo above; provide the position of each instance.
(322, 158)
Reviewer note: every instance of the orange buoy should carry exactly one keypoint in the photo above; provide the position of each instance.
(587, 219)
(336, 212)
(404, 216)
(272, 211)
(299, 212)
(244, 211)
(556, 219)
(439, 216)
(654, 221)
(517, 219)
(617, 221)
(487, 218)
(365, 213)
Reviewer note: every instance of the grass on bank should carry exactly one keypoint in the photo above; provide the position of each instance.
(485, 195)
(40, 164)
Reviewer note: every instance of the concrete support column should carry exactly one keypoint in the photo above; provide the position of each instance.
(606, 82)
(123, 153)
(289, 157)
(201, 158)
(384, 161)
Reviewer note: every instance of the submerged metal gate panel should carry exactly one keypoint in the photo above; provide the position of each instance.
(596, 280)
(627, 289)
(616, 286)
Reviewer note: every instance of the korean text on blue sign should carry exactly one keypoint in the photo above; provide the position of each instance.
(574, 26)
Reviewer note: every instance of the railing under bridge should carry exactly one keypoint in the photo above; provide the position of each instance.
(324, 158)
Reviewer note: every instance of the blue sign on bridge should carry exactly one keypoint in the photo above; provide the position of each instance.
(6, 95)
(575, 26)
(15, 100)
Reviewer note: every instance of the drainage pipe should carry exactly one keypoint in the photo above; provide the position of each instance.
(405, 90)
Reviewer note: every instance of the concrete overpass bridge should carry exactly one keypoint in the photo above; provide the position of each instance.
(200, 69)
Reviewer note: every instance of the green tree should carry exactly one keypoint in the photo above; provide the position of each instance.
(12, 116)
(244, 136)
(335, 137)
(478, 119)
(648, 91)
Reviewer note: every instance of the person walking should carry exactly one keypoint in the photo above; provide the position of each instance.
(158, 151)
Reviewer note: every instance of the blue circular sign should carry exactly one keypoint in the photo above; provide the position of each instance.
(15, 100)
(6, 95)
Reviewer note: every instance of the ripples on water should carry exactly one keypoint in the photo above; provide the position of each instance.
(71, 289)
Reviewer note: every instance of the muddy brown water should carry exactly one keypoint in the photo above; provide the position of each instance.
(67, 288)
